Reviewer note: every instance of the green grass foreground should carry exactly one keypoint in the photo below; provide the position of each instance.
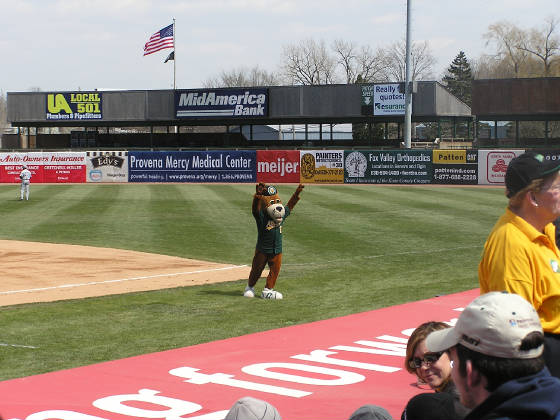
(347, 249)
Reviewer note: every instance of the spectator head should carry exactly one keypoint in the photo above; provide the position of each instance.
(497, 338)
(528, 172)
(370, 412)
(249, 408)
(432, 368)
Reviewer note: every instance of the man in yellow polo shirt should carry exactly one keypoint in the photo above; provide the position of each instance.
(520, 254)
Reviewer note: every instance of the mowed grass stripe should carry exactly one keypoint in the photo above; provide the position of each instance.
(80, 216)
(413, 223)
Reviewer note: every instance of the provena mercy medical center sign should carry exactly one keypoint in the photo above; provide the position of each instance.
(221, 103)
(387, 100)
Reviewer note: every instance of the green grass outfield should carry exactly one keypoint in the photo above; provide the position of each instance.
(347, 249)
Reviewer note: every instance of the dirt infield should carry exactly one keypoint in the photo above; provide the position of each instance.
(43, 272)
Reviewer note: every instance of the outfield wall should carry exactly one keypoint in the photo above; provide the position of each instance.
(402, 166)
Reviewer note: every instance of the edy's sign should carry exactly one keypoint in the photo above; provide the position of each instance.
(221, 103)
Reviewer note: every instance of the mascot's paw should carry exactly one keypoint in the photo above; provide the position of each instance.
(249, 292)
(271, 294)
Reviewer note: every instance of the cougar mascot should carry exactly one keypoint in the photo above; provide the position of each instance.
(269, 213)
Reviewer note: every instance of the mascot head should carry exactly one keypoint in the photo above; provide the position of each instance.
(271, 201)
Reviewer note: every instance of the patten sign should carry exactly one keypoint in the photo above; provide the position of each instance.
(455, 167)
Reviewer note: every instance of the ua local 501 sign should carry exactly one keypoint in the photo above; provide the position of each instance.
(74, 106)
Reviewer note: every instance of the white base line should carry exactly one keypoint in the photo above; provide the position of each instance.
(18, 345)
(10, 292)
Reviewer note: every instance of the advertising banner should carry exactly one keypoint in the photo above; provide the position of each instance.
(11, 166)
(203, 166)
(45, 167)
(74, 106)
(455, 167)
(388, 167)
(367, 94)
(492, 165)
(64, 167)
(278, 166)
(322, 166)
(107, 166)
(222, 103)
(387, 100)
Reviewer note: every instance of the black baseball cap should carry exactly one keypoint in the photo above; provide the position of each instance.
(525, 168)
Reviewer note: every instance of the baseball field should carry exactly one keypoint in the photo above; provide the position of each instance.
(347, 249)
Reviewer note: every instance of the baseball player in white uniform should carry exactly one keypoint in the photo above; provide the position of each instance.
(25, 176)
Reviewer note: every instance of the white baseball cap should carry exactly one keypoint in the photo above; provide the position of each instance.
(249, 408)
(493, 324)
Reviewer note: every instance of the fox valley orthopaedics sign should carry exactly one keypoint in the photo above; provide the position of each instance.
(387, 100)
(74, 106)
(247, 102)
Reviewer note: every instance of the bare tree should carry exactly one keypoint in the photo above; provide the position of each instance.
(422, 61)
(544, 44)
(243, 77)
(347, 58)
(308, 63)
(519, 52)
(362, 63)
(506, 37)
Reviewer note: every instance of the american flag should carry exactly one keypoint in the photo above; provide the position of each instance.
(160, 40)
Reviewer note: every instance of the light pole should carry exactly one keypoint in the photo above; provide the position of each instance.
(407, 84)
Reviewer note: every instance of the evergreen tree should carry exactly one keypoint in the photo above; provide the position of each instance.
(459, 77)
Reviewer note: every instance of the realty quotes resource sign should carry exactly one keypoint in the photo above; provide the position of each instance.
(387, 100)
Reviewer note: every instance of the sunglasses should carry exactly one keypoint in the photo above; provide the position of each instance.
(428, 359)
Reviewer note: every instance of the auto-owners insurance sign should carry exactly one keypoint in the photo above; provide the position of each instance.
(221, 103)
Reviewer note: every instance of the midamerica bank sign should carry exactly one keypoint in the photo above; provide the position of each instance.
(221, 103)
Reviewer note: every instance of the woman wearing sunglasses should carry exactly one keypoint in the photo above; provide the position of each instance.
(433, 369)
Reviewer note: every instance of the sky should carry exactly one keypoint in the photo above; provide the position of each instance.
(65, 45)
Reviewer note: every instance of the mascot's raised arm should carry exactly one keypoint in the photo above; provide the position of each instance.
(269, 213)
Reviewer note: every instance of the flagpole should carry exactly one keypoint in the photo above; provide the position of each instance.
(174, 61)
(174, 55)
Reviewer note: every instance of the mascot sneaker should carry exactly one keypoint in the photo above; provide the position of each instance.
(271, 294)
(249, 292)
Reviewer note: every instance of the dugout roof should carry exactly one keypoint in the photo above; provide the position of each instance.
(324, 104)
